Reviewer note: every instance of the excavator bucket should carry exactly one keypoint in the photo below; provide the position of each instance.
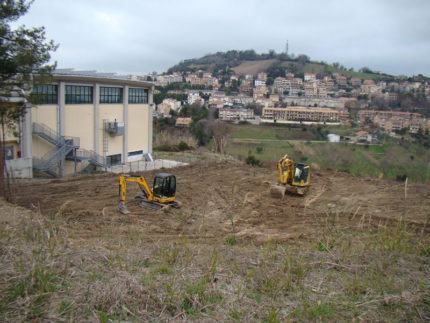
(123, 209)
(296, 190)
(277, 191)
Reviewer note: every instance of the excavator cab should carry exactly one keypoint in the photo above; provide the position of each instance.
(301, 175)
(164, 185)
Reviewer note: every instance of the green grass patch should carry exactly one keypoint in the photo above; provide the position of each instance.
(377, 149)
(389, 160)
(231, 241)
(315, 311)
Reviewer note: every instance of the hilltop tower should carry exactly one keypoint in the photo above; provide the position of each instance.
(286, 48)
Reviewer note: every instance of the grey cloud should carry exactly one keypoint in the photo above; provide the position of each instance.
(140, 36)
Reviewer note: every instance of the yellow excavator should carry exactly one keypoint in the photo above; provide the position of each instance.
(292, 177)
(163, 192)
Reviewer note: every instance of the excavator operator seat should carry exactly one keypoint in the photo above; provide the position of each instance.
(301, 173)
(164, 185)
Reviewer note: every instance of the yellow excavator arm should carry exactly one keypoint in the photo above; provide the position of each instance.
(161, 195)
(285, 170)
(139, 180)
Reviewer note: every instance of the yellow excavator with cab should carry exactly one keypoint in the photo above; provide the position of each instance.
(292, 177)
(162, 194)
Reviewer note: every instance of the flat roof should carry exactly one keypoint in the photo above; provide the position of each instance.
(101, 78)
(303, 109)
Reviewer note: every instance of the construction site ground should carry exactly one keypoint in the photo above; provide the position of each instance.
(351, 249)
(224, 197)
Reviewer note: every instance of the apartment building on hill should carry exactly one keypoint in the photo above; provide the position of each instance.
(300, 114)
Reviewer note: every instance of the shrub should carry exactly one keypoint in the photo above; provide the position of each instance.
(401, 177)
(251, 160)
(183, 146)
(166, 147)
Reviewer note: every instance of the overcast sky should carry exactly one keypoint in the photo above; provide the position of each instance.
(142, 36)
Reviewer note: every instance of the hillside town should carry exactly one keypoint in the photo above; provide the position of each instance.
(304, 99)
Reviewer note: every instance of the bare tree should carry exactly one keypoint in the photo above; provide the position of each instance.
(221, 132)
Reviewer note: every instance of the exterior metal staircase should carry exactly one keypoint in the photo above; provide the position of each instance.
(65, 148)
(89, 155)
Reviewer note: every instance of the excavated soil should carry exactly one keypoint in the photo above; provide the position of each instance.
(226, 196)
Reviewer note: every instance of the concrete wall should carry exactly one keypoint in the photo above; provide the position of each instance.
(110, 112)
(138, 127)
(20, 168)
(46, 114)
(79, 122)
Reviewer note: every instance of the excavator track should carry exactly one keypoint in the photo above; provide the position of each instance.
(157, 206)
(150, 205)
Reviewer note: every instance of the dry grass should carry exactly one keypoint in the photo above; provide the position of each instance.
(357, 272)
(253, 67)
(166, 138)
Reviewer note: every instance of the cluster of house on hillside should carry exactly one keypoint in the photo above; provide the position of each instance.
(291, 98)
(392, 121)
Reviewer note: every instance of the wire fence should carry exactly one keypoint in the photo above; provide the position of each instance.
(140, 165)
(163, 161)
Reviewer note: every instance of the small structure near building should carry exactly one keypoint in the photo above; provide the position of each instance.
(333, 137)
(184, 122)
(363, 136)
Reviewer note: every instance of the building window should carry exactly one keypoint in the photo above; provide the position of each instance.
(9, 153)
(79, 94)
(113, 160)
(136, 95)
(110, 95)
(45, 94)
(135, 153)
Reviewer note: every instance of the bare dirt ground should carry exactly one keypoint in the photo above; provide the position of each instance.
(224, 197)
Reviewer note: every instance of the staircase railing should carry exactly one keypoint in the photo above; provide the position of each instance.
(53, 137)
(48, 134)
(51, 158)
(64, 146)
(91, 156)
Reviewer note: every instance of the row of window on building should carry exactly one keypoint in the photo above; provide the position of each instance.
(77, 94)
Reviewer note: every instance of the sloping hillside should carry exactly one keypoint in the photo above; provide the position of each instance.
(254, 67)
(249, 62)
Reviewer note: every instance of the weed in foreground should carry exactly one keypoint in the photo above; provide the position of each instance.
(231, 241)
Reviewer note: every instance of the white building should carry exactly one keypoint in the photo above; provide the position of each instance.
(175, 105)
(259, 83)
(236, 114)
(333, 137)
